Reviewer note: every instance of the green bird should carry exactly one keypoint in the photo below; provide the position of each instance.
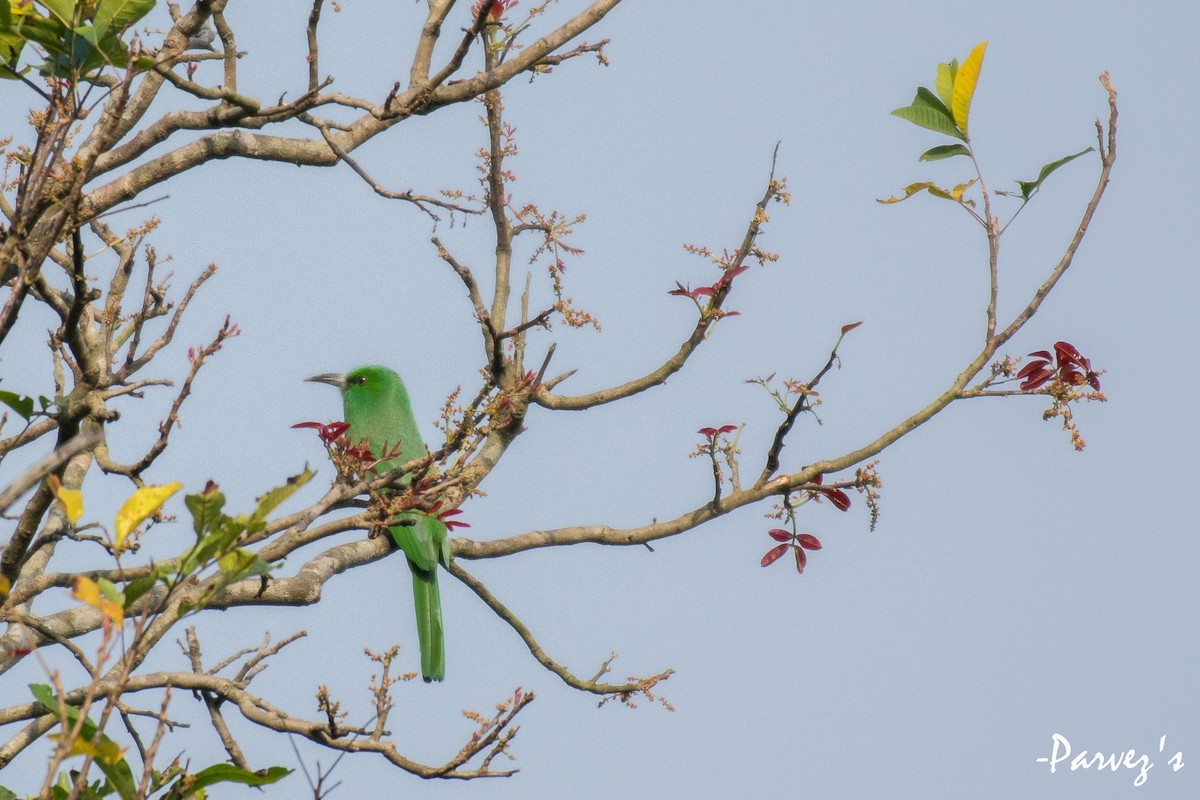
(378, 411)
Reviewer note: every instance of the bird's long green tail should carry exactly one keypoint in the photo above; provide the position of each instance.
(427, 601)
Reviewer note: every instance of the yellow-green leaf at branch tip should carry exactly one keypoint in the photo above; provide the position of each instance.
(964, 86)
(144, 502)
(957, 191)
(71, 499)
(945, 81)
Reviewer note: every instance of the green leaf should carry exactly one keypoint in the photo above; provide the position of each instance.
(927, 98)
(62, 10)
(139, 586)
(113, 17)
(239, 564)
(44, 695)
(11, 43)
(228, 773)
(945, 81)
(927, 116)
(211, 546)
(945, 151)
(206, 510)
(18, 403)
(7, 794)
(108, 753)
(964, 86)
(271, 500)
(49, 33)
(1029, 187)
(110, 591)
(117, 770)
(10, 50)
(96, 49)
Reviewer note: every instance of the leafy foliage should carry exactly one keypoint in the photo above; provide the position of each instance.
(75, 37)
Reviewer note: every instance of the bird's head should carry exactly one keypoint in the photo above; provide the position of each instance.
(364, 382)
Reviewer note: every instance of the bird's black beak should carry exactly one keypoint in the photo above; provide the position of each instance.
(332, 378)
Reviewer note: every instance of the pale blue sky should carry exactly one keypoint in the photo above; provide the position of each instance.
(1013, 588)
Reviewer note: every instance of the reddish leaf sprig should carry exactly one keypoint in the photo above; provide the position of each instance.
(839, 498)
(496, 12)
(1067, 364)
(445, 516)
(721, 286)
(713, 433)
(715, 446)
(329, 432)
(357, 458)
(798, 543)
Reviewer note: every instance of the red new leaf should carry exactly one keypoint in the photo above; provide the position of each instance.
(1071, 376)
(839, 498)
(1037, 378)
(801, 559)
(809, 542)
(1032, 367)
(1067, 354)
(773, 554)
(329, 432)
(779, 535)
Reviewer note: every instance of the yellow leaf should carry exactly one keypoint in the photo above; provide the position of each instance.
(144, 502)
(964, 86)
(86, 590)
(962, 187)
(109, 752)
(5, 588)
(71, 499)
(79, 747)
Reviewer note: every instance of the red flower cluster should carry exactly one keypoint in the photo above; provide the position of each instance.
(1072, 368)
(797, 542)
